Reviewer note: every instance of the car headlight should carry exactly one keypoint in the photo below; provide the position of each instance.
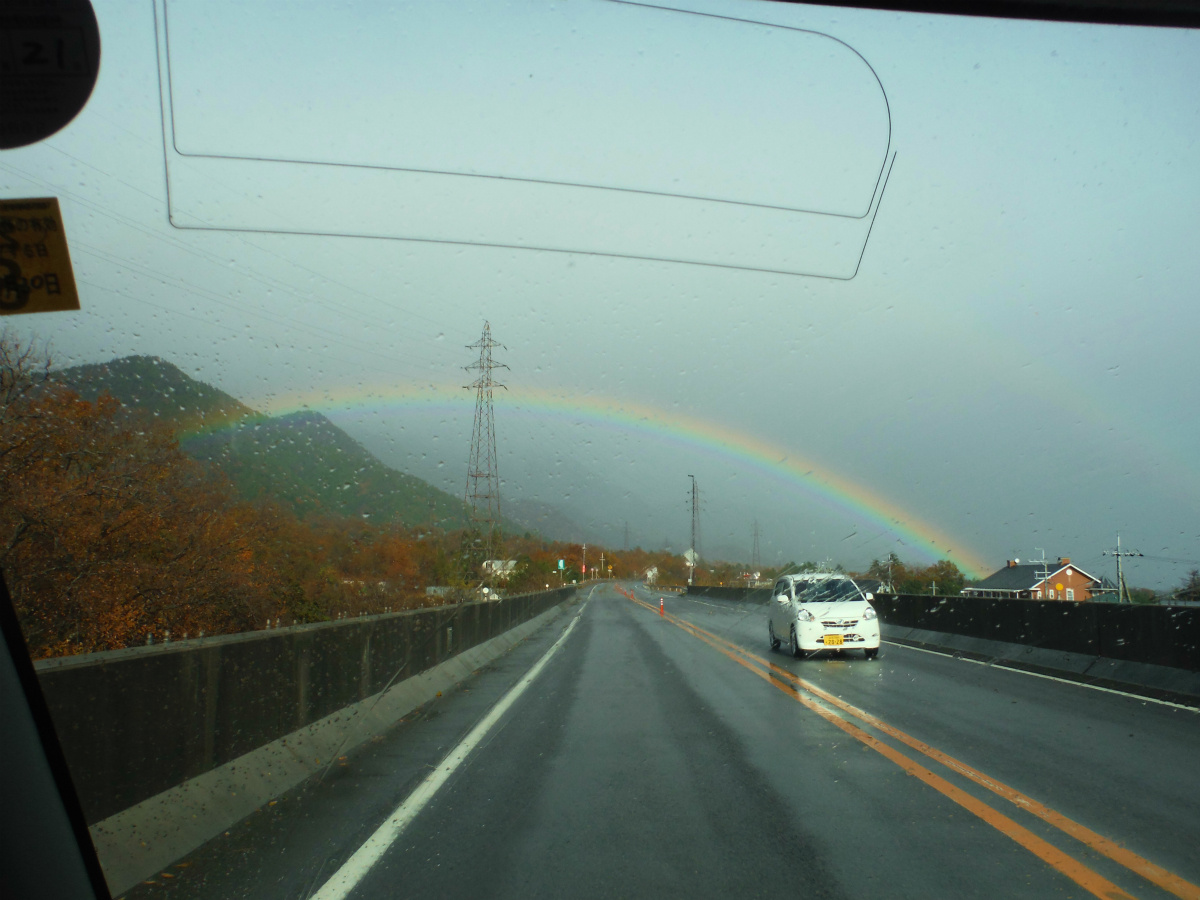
(870, 613)
(805, 616)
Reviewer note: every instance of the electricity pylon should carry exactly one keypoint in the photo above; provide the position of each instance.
(482, 499)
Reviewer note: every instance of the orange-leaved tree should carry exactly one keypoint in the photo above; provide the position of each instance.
(108, 532)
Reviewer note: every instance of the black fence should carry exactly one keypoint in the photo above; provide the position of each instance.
(135, 722)
(1161, 635)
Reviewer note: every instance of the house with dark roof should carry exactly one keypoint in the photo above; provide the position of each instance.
(1037, 581)
(1106, 590)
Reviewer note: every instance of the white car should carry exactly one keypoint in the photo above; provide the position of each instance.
(814, 612)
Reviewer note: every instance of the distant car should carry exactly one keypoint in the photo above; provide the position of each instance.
(822, 612)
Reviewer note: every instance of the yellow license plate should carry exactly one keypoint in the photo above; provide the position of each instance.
(833, 640)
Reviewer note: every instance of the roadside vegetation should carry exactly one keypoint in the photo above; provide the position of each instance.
(112, 536)
(904, 578)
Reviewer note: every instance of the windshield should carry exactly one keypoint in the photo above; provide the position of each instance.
(830, 591)
(352, 353)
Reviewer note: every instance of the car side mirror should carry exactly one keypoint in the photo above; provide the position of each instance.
(869, 595)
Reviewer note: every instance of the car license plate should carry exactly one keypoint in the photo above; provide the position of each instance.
(833, 640)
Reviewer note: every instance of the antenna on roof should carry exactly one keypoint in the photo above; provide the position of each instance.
(1045, 573)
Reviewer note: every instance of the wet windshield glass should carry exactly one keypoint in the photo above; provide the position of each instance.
(343, 340)
(832, 591)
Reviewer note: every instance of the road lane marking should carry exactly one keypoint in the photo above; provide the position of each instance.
(1083, 876)
(353, 870)
(703, 603)
(1047, 852)
(1150, 871)
(1083, 684)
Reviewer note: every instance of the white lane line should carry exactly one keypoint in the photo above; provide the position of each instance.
(356, 867)
(1082, 684)
(693, 600)
(703, 603)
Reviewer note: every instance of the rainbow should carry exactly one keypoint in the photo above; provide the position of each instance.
(748, 452)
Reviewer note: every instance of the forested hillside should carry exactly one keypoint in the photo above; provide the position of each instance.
(111, 535)
(301, 460)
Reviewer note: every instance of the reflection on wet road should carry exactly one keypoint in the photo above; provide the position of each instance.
(675, 755)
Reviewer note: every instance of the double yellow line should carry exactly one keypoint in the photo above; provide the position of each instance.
(819, 701)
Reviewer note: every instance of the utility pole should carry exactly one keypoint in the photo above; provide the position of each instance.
(626, 535)
(584, 573)
(483, 478)
(695, 531)
(1122, 591)
(601, 563)
(755, 560)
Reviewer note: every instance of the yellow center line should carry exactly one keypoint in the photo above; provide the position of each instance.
(1152, 872)
(1089, 880)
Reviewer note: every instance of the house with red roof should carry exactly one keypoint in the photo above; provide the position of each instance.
(1047, 580)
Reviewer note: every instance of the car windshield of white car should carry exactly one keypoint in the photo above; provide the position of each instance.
(831, 592)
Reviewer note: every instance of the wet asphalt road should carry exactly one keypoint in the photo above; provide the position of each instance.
(646, 762)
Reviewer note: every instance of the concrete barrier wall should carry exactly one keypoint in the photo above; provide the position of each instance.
(1157, 635)
(135, 722)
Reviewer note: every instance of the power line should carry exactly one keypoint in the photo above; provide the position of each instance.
(213, 297)
(269, 281)
(1171, 559)
(159, 199)
(235, 331)
(266, 280)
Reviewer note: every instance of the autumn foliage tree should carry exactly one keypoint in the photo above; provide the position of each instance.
(108, 532)
(112, 536)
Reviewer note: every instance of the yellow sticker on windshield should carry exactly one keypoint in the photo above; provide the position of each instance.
(35, 266)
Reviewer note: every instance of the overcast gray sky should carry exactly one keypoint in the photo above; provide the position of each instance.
(1013, 366)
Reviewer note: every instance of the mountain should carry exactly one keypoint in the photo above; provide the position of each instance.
(306, 461)
(159, 388)
(302, 459)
